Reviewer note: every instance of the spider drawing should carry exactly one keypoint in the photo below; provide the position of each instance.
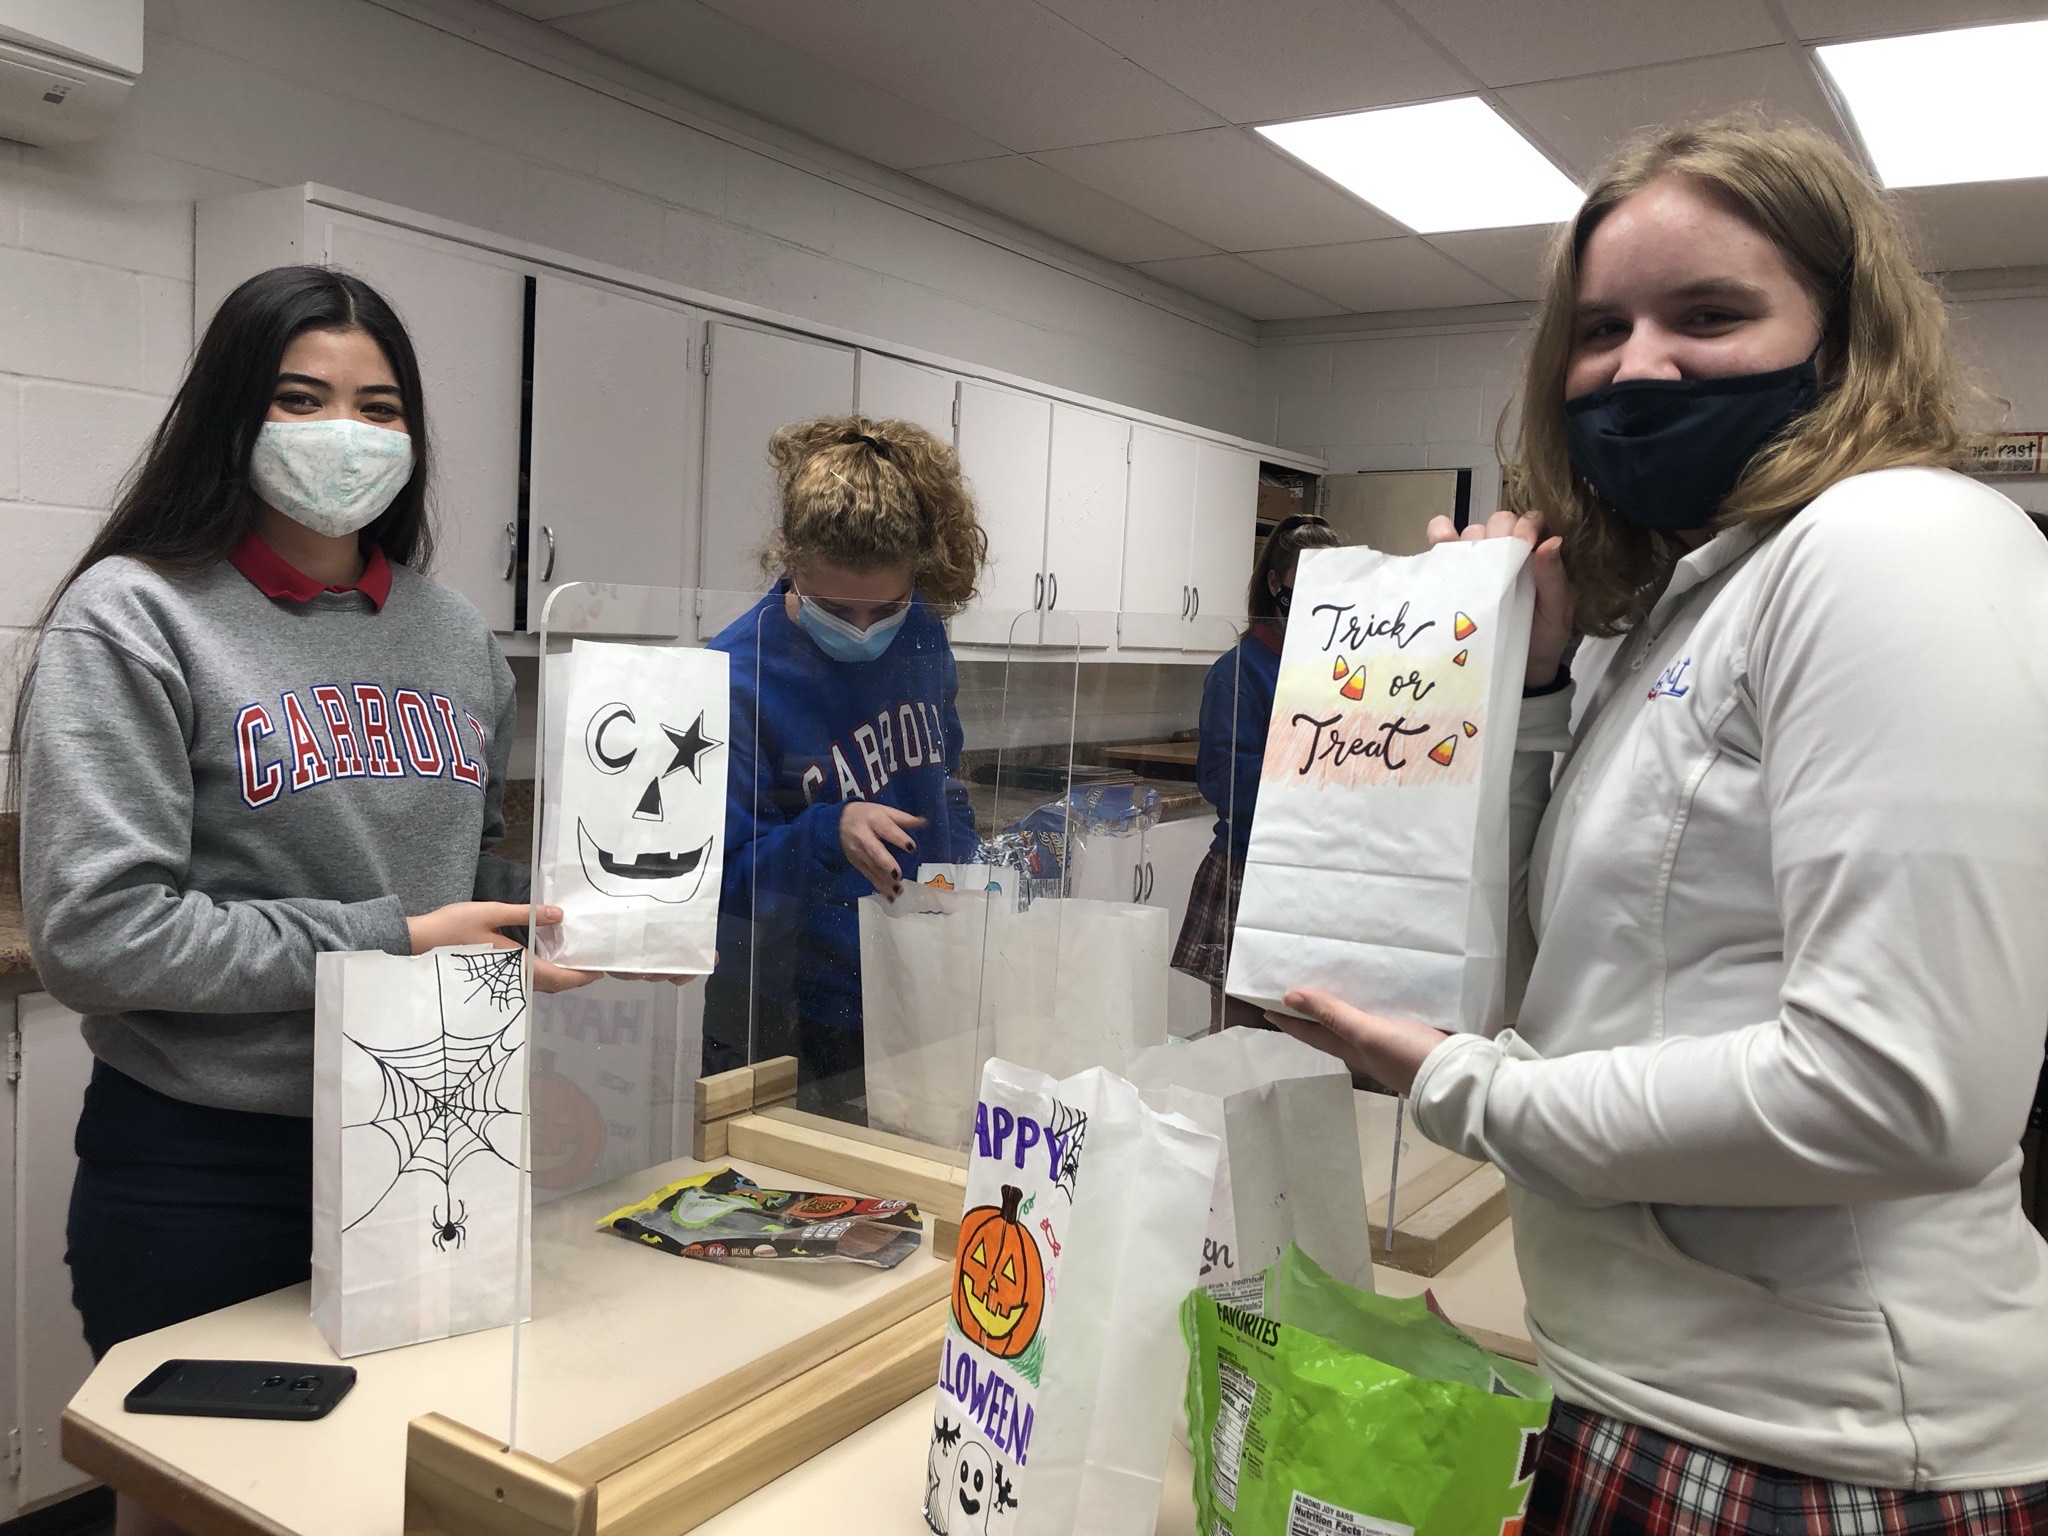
(455, 1096)
(450, 1233)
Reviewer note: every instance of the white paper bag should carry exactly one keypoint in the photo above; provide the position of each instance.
(1378, 865)
(952, 978)
(419, 1099)
(633, 806)
(1061, 1368)
(1291, 1171)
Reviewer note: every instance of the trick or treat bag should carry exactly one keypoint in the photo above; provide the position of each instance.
(1059, 1377)
(1290, 1170)
(419, 1098)
(1318, 1408)
(949, 978)
(1378, 865)
(633, 806)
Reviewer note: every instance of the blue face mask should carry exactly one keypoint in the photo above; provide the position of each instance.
(848, 642)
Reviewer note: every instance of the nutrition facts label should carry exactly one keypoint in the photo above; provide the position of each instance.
(1226, 1442)
(1308, 1516)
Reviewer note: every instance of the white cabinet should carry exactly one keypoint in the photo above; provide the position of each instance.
(1187, 542)
(612, 488)
(760, 381)
(1088, 476)
(46, 1357)
(1174, 850)
(1220, 538)
(890, 389)
(1005, 442)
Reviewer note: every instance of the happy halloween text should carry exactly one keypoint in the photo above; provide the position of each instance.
(1003, 1418)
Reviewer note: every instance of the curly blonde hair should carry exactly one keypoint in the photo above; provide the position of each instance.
(1891, 387)
(862, 494)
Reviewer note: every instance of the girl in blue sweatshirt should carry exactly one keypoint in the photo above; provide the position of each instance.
(845, 736)
(1237, 704)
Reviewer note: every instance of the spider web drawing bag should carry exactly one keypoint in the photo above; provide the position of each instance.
(419, 1094)
(1378, 863)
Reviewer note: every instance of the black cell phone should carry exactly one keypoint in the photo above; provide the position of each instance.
(241, 1389)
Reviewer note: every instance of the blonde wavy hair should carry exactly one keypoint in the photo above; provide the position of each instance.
(1891, 390)
(862, 494)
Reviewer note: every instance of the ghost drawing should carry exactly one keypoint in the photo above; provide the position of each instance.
(633, 818)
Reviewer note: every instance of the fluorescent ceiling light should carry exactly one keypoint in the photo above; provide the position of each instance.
(1436, 166)
(1944, 107)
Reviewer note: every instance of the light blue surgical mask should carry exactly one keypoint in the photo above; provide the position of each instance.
(843, 641)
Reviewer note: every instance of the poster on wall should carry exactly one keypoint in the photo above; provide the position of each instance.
(2007, 455)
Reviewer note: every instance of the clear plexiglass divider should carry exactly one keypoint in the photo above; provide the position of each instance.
(926, 854)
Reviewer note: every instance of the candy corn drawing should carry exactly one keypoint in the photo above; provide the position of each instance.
(1471, 730)
(1355, 689)
(1463, 628)
(1444, 751)
(1337, 672)
(1459, 659)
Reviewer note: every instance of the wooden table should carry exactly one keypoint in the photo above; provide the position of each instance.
(614, 1335)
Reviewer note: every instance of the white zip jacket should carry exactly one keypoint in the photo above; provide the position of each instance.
(1761, 1111)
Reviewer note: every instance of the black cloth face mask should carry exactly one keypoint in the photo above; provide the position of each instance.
(1665, 453)
(1283, 600)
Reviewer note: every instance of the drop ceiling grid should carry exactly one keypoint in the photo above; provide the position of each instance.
(1124, 126)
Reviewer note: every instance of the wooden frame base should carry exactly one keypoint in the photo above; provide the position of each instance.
(1427, 1239)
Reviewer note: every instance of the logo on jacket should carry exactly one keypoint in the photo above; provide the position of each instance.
(902, 736)
(1671, 683)
(369, 733)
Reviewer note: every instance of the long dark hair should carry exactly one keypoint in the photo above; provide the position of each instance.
(187, 503)
(1283, 547)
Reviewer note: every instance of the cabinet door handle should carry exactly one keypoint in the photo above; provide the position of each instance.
(1052, 587)
(1038, 593)
(1195, 615)
(511, 549)
(547, 571)
(1184, 600)
(1137, 881)
(1149, 878)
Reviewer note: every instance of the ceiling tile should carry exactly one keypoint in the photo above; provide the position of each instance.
(1237, 284)
(1822, 20)
(1033, 194)
(1513, 260)
(1223, 186)
(1011, 71)
(1979, 224)
(694, 46)
(1369, 275)
(1551, 39)
(1254, 61)
(1587, 119)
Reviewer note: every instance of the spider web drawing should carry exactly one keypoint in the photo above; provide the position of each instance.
(441, 1099)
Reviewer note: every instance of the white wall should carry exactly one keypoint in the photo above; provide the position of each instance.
(1430, 400)
(96, 239)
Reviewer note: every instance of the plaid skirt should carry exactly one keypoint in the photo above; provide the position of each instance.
(1203, 949)
(1597, 1476)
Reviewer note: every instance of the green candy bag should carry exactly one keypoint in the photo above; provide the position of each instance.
(1335, 1412)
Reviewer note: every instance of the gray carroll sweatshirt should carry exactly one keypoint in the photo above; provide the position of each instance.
(218, 785)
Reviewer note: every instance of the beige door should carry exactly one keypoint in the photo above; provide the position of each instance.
(1389, 510)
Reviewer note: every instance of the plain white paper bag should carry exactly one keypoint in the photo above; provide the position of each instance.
(1378, 863)
(1291, 1170)
(633, 806)
(419, 1101)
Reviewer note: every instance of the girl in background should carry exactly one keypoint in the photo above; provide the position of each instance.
(1237, 703)
(846, 737)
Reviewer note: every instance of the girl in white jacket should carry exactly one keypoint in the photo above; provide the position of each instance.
(1787, 891)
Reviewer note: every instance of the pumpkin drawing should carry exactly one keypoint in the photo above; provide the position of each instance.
(998, 1279)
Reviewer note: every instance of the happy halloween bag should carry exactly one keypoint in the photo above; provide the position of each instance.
(1059, 1378)
(1378, 863)
(633, 806)
(1321, 1408)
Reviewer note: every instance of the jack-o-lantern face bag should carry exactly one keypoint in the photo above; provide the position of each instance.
(1086, 1212)
(633, 806)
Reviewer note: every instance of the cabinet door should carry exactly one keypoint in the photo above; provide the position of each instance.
(1157, 522)
(467, 317)
(1084, 522)
(760, 381)
(893, 389)
(1226, 521)
(50, 1351)
(612, 488)
(1173, 852)
(1110, 868)
(1005, 438)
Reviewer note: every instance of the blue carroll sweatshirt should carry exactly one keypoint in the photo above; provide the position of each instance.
(809, 734)
(1237, 709)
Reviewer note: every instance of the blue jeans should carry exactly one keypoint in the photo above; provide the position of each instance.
(179, 1210)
